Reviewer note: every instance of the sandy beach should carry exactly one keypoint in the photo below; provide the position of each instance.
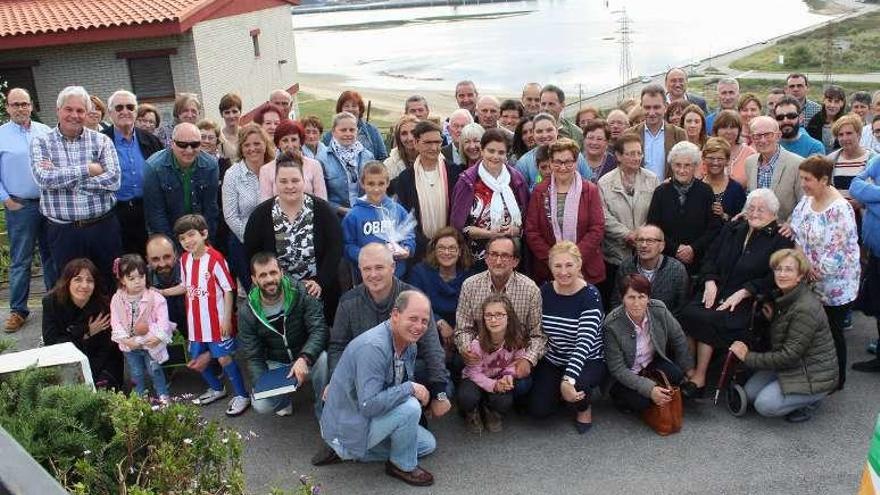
(329, 86)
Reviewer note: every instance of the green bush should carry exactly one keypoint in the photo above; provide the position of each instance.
(106, 443)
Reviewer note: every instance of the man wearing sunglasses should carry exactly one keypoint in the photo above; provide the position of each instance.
(795, 138)
(133, 146)
(181, 180)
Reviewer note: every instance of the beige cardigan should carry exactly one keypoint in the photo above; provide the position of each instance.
(623, 213)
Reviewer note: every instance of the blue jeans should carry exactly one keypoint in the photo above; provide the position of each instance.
(397, 437)
(27, 227)
(139, 363)
(317, 376)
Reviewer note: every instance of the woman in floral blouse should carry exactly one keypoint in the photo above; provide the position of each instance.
(824, 227)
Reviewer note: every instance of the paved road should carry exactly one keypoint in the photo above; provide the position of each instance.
(715, 452)
(721, 62)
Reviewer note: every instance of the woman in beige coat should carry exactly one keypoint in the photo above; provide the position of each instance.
(626, 196)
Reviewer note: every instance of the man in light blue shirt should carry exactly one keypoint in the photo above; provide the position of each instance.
(373, 401)
(20, 195)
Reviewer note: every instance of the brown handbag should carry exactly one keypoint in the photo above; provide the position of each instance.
(665, 419)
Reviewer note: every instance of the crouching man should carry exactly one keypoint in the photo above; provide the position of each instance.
(282, 326)
(373, 405)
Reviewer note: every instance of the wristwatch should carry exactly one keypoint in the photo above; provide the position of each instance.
(442, 396)
(569, 380)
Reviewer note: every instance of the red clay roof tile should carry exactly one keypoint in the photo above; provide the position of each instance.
(18, 17)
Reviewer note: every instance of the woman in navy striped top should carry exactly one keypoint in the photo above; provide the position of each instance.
(575, 358)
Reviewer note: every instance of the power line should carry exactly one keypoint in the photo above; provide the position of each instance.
(625, 69)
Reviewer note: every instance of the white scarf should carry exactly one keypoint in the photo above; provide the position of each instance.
(502, 195)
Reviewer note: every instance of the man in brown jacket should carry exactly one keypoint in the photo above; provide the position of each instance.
(656, 135)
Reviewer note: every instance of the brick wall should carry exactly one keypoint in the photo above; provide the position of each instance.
(226, 61)
(96, 67)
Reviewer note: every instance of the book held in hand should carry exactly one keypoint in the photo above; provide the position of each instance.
(274, 382)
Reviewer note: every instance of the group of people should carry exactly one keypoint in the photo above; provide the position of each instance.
(505, 257)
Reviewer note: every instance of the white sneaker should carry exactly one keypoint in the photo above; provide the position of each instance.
(238, 405)
(209, 396)
(287, 411)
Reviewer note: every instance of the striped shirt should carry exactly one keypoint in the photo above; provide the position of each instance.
(240, 196)
(60, 167)
(206, 279)
(846, 169)
(573, 325)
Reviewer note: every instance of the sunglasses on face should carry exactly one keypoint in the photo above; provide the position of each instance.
(128, 106)
(788, 116)
(188, 144)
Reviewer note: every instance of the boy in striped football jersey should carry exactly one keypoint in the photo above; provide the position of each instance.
(209, 297)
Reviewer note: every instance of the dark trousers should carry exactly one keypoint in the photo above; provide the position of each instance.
(238, 262)
(836, 316)
(631, 399)
(608, 286)
(133, 226)
(471, 396)
(545, 397)
(99, 242)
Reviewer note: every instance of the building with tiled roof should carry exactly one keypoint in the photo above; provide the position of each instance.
(155, 48)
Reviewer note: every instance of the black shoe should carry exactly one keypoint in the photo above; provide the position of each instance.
(690, 391)
(582, 427)
(800, 415)
(869, 366)
(325, 457)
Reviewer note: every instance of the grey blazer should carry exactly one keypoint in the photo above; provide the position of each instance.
(620, 345)
(785, 183)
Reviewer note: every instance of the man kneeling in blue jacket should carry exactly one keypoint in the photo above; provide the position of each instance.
(373, 405)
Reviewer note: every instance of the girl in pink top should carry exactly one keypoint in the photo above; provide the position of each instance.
(489, 382)
(139, 320)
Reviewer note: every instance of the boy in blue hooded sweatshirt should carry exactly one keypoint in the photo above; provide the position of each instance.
(375, 217)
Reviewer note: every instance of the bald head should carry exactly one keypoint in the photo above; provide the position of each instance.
(375, 252)
(190, 137)
(488, 111)
(282, 99)
(531, 98)
(676, 84)
(18, 106)
(160, 254)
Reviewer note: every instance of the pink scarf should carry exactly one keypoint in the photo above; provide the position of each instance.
(570, 215)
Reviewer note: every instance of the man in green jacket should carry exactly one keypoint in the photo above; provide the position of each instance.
(282, 326)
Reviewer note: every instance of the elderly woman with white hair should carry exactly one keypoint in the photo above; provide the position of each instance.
(682, 208)
(735, 272)
(469, 148)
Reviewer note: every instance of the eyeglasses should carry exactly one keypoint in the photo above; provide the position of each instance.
(715, 159)
(787, 116)
(20, 104)
(188, 144)
(561, 163)
(431, 143)
(447, 249)
(499, 256)
(762, 135)
(647, 240)
(495, 316)
(128, 106)
(633, 154)
(876, 132)
(760, 210)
